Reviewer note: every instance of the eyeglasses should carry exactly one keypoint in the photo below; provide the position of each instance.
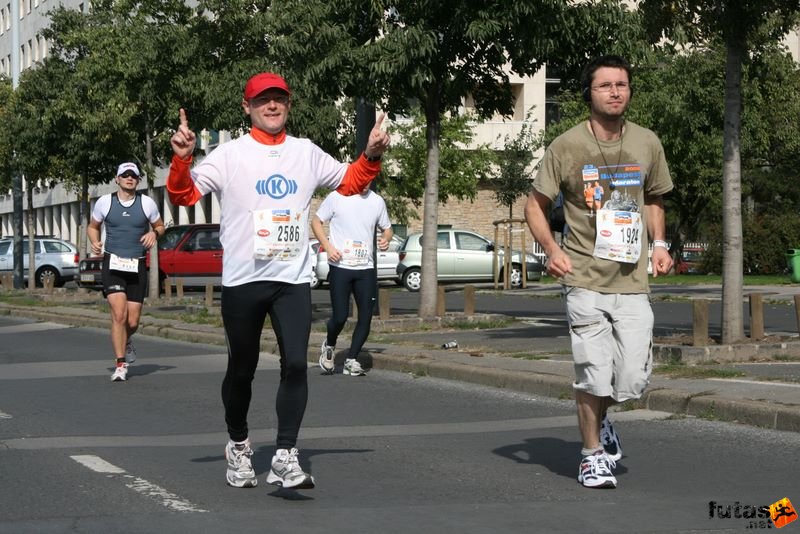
(608, 86)
(262, 100)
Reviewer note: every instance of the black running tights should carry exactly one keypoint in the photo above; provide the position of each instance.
(244, 309)
(361, 283)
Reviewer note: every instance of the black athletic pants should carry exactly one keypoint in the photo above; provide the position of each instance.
(361, 283)
(244, 309)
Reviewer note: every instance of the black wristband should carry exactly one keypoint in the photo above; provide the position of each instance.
(368, 158)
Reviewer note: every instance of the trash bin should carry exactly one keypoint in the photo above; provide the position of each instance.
(793, 260)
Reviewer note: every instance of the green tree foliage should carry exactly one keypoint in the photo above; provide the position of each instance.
(431, 55)
(745, 28)
(513, 178)
(460, 170)
(5, 133)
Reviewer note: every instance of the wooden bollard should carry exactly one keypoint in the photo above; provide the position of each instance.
(441, 303)
(7, 279)
(179, 288)
(700, 323)
(469, 300)
(756, 316)
(168, 287)
(384, 304)
(209, 295)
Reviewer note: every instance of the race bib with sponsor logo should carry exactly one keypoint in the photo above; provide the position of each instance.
(619, 235)
(126, 265)
(279, 234)
(354, 253)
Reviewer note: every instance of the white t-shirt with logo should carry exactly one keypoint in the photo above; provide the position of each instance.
(265, 195)
(352, 226)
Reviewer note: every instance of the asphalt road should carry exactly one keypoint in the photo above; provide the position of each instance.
(390, 452)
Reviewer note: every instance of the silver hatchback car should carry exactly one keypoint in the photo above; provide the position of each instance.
(54, 257)
(463, 256)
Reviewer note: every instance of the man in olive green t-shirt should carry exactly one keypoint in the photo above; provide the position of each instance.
(603, 262)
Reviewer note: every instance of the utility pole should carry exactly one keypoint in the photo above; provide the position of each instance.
(16, 178)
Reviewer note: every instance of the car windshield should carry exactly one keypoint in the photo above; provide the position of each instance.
(171, 237)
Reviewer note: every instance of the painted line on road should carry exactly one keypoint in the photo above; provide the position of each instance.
(31, 327)
(4, 415)
(139, 485)
(366, 431)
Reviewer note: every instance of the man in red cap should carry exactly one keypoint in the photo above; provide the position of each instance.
(264, 181)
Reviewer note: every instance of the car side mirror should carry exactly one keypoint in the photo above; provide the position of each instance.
(490, 247)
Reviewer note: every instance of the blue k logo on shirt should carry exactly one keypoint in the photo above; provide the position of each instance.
(276, 186)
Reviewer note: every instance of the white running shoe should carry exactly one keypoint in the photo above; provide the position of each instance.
(326, 358)
(130, 352)
(120, 373)
(240, 472)
(609, 439)
(595, 471)
(353, 368)
(286, 471)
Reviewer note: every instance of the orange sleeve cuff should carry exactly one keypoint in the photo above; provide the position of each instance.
(180, 186)
(358, 175)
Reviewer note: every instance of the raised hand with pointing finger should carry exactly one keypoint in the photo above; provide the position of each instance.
(183, 140)
(378, 140)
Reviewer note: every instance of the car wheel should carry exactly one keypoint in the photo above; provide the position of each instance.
(515, 279)
(412, 279)
(46, 271)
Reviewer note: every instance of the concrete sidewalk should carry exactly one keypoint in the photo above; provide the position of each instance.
(510, 357)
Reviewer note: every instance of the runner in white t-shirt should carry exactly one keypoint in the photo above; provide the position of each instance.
(353, 222)
(264, 181)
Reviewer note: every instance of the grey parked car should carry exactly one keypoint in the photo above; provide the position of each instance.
(52, 256)
(463, 256)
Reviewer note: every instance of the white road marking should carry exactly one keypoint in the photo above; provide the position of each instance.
(268, 434)
(139, 485)
(4, 415)
(31, 327)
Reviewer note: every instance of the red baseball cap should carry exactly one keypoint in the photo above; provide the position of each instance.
(261, 82)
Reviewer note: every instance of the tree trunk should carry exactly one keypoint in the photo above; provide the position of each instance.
(31, 240)
(430, 218)
(83, 216)
(732, 298)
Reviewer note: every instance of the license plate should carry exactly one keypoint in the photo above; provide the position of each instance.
(87, 278)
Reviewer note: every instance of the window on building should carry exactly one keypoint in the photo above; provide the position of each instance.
(552, 113)
(2, 20)
(42, 47)
(34, 45)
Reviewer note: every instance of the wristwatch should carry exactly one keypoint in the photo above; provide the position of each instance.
(660, 243)
(369, 158)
